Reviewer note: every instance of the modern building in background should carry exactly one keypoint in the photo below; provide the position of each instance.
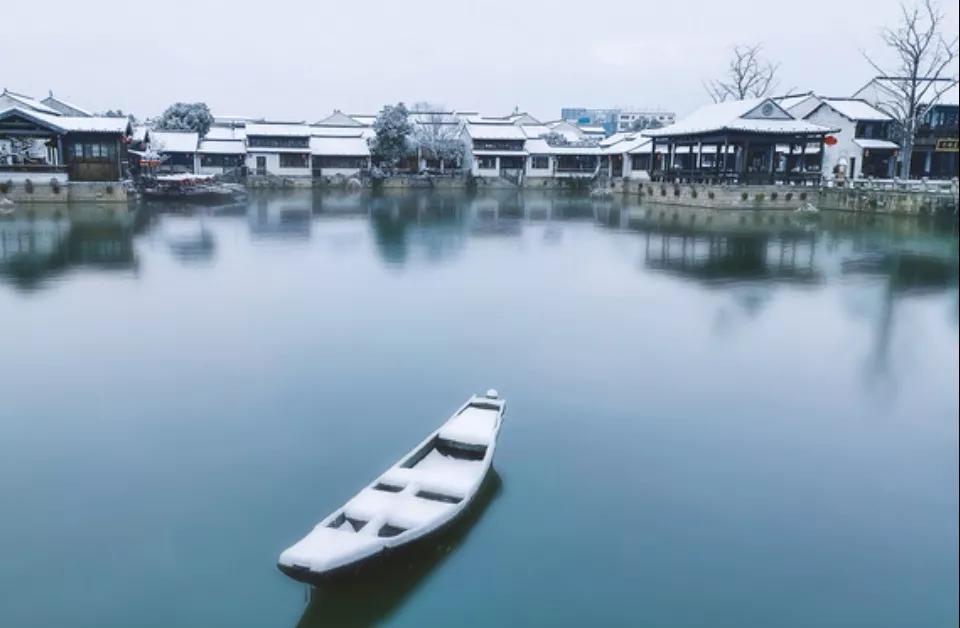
(619, 119)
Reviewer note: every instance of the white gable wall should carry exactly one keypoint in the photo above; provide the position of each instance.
(845, 148)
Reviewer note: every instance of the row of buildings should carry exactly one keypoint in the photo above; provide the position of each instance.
(793, 138)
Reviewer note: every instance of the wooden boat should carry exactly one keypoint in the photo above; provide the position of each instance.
(427, 490)
(196, 188)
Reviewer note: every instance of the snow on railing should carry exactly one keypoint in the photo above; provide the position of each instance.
(935, 186)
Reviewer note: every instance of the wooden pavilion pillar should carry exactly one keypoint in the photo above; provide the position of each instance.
(803, 161)
(820, 162)
(744, 160)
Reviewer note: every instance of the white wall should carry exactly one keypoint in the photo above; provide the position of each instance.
(38, 178)
(845, 148)
(477, 171)
(273, 165)
(537, 173)
(629, 172)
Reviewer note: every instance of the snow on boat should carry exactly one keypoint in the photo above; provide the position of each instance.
(427, 490)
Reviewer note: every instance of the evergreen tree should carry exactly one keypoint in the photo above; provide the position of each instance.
(183, 116)
(393, 129)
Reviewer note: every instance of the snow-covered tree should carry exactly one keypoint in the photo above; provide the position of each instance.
(645, 122)
(183, 116)
(438, 135)
(392, 140)
(556, 139)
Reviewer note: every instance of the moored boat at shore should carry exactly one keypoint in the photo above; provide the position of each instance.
(431, 487)
(191, 187)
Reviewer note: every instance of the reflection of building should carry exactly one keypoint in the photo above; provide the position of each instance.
(726, 246)
(280, 217)
(34, 250)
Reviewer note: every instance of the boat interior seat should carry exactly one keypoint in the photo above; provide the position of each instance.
(369, 504)
(473, 426)
(403, 510)
(414, 512)
(451, 484)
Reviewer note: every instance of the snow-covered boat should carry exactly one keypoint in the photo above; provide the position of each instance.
(428, 489)
(191, 187)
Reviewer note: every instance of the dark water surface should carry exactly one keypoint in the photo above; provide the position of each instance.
(712, 420)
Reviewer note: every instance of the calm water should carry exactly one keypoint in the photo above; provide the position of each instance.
(711, 421)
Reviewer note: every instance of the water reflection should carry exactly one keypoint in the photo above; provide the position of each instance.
(283, 217)
(371, 599)
(49, 242)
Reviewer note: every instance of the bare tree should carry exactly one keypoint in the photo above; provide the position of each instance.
(748, 75)
(438, 134)
(921, 72)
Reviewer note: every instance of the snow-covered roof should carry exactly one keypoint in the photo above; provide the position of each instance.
(92, 124)
(792, 100)
(233, 120)
(338, 131)
(174, 141)
(876, 144)
(366, 119)
(64, 107)
(280, 129)
(883, 89)
(501, 131)
(433, 117)
(535, 130)
(222, 147)
(856, 109)
(276, 149)
(758, 115)
(495, 153)
(345, 146)
(633, 143)
(539, 146)
(617, 137)
(10, 99)
(593, 130)
(72, 124)
(569, 130)
(226, 133)
(139, 133)
(338, 118)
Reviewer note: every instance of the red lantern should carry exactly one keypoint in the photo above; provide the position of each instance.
(830, 140)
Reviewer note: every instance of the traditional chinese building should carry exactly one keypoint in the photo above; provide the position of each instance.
(41, 144)
(743, 141)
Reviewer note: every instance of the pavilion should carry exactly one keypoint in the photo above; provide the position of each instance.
(743, 141)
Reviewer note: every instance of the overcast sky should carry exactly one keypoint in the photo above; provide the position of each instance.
(296, 59)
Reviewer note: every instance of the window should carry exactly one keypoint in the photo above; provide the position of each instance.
(498, 144)
(278, 142)
(339, 161)
(221, 161)
(487, 163)
(92, 151)
(540, 162)
(576, 163)
(294, 160)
